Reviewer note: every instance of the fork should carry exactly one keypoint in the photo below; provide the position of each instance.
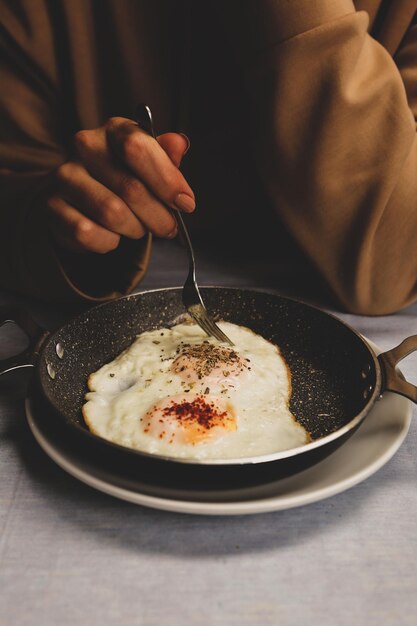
(191, 297)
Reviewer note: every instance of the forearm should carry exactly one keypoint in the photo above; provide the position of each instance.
(338, 154)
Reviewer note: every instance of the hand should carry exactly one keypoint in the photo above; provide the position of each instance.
(121, 183)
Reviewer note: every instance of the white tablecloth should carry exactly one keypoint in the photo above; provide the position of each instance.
(72, 556)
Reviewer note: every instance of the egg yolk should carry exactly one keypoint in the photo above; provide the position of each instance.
(209, 362)
(184, 419)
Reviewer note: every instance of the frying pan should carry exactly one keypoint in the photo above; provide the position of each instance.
(336, 379)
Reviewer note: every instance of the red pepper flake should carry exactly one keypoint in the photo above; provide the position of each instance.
(198, 410)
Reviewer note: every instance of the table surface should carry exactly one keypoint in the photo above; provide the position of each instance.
(70, 555)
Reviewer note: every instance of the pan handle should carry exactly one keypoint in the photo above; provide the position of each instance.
(35, 333)
(392, 379)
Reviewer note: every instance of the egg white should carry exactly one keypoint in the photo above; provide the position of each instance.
(123, 391)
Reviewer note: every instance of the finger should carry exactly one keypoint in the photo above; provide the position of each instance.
(150, 163)
(176, 145)
(149, 210)
(76, 232)
(96, 201)
(154, 215)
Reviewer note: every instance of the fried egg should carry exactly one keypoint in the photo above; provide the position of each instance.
(176, 392)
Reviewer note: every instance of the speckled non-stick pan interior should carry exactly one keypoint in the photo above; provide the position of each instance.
(331, 367)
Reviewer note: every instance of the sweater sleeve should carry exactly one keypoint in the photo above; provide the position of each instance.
(336, 129)
(35, 138)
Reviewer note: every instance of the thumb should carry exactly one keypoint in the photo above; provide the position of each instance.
(176, 145)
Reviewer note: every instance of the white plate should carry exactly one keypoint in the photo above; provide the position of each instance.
(372, 445)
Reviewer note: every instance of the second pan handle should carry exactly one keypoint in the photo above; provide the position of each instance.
(392, 379)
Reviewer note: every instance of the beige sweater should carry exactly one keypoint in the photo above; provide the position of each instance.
(315, 139)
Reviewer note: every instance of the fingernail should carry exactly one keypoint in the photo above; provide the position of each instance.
(188, 142)
(173, 234)
(183, 202)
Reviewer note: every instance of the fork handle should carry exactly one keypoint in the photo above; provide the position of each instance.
(186, 237)
(143, 116)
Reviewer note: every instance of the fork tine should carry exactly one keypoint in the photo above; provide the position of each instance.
(216, 331)
(219, 334)
(210, 327)
(202, 322)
